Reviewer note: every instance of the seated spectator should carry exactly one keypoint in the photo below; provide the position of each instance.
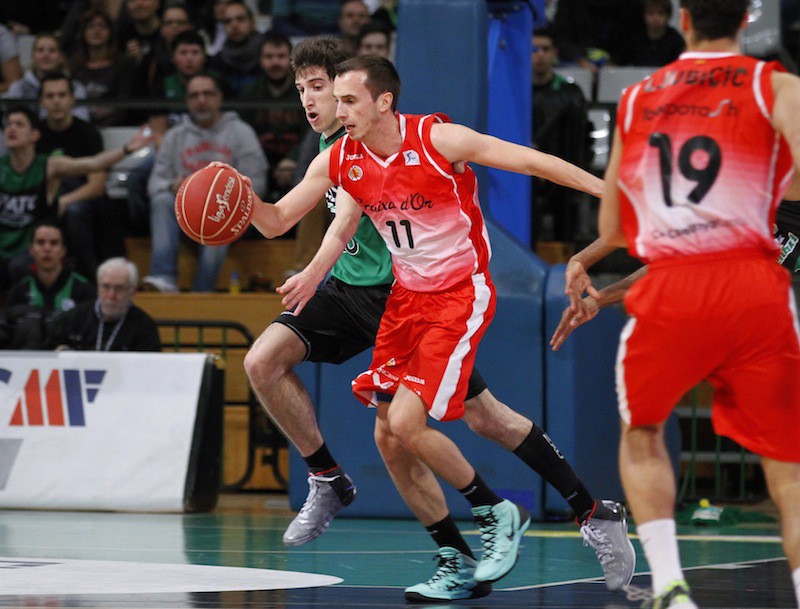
(353, 15)
(10, 68)
(239, 56)
(174, 21)
(140, 41)
(656, 43)
(99, 67)
(93, 224)
(71, 24)
(46, 57)
(375, 39)
(280, 123)
(210, 135)
(560, 127)
(29, 183)
(111, 322)
(48, 289)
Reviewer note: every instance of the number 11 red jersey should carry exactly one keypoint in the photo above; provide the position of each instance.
(702, 168)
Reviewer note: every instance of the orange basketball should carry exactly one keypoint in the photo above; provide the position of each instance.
(214, 205)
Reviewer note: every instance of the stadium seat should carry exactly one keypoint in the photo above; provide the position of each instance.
(581, 77)
(601, 138)
(25, 49)
(612, 80)
(117, 137)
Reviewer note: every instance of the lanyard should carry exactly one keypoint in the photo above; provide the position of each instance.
(114, 332)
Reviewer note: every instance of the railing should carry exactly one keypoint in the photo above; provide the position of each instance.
(221, 338)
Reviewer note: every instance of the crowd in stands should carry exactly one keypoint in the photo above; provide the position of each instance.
(178, 63)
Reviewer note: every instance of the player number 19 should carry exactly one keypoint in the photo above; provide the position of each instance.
(704, 176)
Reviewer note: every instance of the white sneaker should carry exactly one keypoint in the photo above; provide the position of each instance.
(160, 283)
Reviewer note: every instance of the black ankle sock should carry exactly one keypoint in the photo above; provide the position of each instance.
(540, 454)
(598, 510)
(446, 533)
(320, 461)
(478, 493)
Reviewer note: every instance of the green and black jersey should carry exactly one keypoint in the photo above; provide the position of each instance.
(23, 201)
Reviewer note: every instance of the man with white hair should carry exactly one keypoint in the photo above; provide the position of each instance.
(110, 323)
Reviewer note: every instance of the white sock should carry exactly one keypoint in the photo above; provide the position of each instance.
(661, 549)
(796, 580)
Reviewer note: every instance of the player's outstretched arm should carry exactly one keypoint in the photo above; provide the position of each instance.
(457, 143)
(274, 220)
(299, 288)
(61, 166)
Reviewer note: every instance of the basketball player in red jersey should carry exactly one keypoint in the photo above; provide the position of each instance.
(703, 153)
(368, 112)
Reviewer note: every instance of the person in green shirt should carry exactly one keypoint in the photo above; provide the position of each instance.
(340, 321)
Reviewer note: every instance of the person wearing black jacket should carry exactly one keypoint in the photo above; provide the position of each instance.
(110, 323)
(49, 289)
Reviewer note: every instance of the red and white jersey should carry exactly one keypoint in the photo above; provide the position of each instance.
(429, 217)
(702, 168)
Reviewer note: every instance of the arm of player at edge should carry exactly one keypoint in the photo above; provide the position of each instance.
(785, 111)
(298, 289)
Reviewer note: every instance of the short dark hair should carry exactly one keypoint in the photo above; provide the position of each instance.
(53, 77)
(374, 27)
(382, 76)
(189, 37)
(27, 111)
(547, 32)
(50, 221)
(244, 4)
(716, 19)
(320, 52)
(276, 39)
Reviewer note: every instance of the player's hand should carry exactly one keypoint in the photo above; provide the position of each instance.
(588, 309)
(298, 290)
(140, 139)
(578, 283)
(222, 165)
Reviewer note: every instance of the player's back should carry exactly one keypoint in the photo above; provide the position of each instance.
(702, 167)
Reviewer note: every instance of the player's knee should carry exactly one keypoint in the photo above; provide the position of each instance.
(260, 365)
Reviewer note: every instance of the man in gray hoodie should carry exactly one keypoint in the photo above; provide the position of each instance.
(209, 135)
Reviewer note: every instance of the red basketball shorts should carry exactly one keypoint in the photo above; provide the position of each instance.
(427, 341)
(727, 318)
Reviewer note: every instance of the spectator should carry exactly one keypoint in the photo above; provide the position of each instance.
(174, 21)
(560, 127)
(28, 186)
(111, 322)
(70, 26)
(375, 39)
(10, 68)
(98, 66)
(279, 122)
(238, 59)
(590, 33)
(93, 223)
(139, 40)
(48, 289)
(656, 43)
(353, 15)
(210, 135)
(46, 57)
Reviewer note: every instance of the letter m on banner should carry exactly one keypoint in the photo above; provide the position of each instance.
(60, 401)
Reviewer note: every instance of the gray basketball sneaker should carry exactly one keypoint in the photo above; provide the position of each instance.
(609, 540)
(327, 495)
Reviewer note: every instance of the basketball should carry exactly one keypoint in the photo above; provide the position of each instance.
(214, 205)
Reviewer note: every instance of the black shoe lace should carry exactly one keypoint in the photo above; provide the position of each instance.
(448, 565)
(487, 523)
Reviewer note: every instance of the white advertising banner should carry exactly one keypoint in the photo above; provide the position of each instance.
(86, 430)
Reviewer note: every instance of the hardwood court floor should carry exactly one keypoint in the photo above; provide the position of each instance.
(132, 561)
